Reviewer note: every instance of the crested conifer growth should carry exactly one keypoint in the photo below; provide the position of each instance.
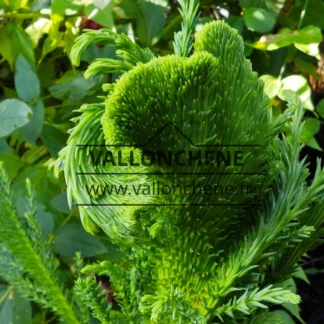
(207, 256)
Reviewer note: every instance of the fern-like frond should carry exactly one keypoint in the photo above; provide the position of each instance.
(30, 274)
(183, 39)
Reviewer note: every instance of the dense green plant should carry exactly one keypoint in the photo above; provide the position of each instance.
(281, 40)
(194, 265)
(27, 261)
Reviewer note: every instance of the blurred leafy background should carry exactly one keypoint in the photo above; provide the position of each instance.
(40, 89)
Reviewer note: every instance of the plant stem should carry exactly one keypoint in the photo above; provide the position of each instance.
(6, 294)
(22, 16)
(302, 15)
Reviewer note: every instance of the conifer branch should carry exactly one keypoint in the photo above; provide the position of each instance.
(29, 273)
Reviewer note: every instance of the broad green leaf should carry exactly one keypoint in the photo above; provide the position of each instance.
(60, 203)
(37, 29)
(150, 21)
(40, 4)
(314, 14)
(14, 113)
(63, 7)
(15, 41)
(14, 309)
(312, 142)
(54, 35)
(103, 16)
(237, 23)
(26, 80)
(311, 49)
(286, 318)
(320, 108)
(305, 67)
(22, 312)
(267, 318)
(309, 35)
(101, 4)
(7, 306)
(72, 238)
(293, 310)
(4, 147)
(6, 46)
(299, 84)
(53, 139)
(13, 5)
(271, 85)
(33, 129)
(80, 87)
(259, 20)
(273, 6)
(149, 16)
(311, 127)
(11, 163)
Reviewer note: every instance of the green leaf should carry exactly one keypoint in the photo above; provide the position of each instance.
(299, 84)
(22, 312)
(309, 35)
(103, 16)
(314, 14)
(273, 6)
(259, 20)
(11, 163)
(286, 318)
(311, 127)
(272, 85)
(305, 67)
(237, 23)
(60, 7)
(13, 5)
(320, 108)
(26, 80)
(312, 142)
(71, 238)
(14, 113)
(60, 203)
(54, 35)
(101, 4)
(14, 309)
(6, 307)
(150, 21)
(4, 147)
(40, 4)
(267, 318)
(33, 129)
(300, 274)
(53, 139)
(37, 29)
(15, 41)
(293, 310)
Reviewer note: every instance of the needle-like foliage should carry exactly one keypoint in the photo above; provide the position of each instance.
(26, 258)
(197, 259)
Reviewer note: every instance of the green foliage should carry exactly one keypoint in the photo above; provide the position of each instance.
(14, 114)
(40, 92)
(163, 284)
(27, 260)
